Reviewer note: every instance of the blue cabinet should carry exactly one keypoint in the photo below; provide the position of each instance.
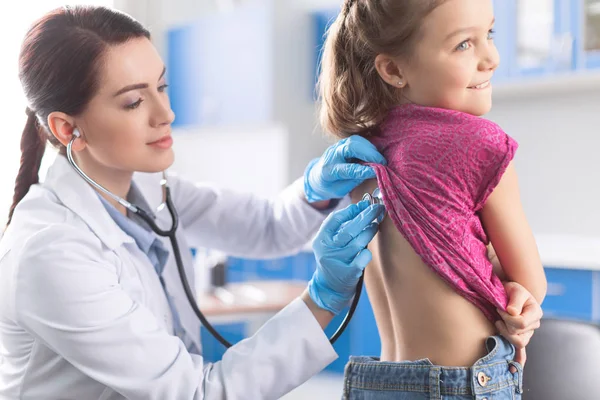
(342, 346)
(360, 338)
(212, 349)
(364, 339)
(570, 294)
(297, 267)
(573, 294)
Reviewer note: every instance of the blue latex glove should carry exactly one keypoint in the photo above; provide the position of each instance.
(334, 175)
(341, 253)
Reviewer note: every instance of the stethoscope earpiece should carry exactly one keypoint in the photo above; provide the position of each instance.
(76, 133)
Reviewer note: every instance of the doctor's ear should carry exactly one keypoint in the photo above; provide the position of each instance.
(62, 127)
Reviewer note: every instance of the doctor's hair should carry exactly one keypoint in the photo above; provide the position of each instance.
(354, 99)
(59, 68)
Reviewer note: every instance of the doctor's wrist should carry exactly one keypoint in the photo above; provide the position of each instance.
(322, 316)
(321, 205)
(326, 206)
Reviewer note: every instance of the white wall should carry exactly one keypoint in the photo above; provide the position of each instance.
(557, 163)
(294, 49)
(205, 155)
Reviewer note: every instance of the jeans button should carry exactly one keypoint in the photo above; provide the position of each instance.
(483, 379)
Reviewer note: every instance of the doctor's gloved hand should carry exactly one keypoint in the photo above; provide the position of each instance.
(341, 253)
(336, 173)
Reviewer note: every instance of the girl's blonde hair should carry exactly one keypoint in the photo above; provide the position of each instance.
(353, 96)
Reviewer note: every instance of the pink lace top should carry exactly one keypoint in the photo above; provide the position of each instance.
(442, 166)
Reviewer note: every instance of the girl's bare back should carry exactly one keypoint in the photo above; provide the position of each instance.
(418, 315)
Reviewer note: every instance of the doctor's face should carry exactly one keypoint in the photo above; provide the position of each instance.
(127, 124)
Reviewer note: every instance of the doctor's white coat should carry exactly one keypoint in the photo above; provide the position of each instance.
(83, 314)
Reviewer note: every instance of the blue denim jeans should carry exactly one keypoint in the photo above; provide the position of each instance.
(489, 378)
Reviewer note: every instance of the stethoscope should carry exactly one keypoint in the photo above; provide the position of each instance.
(375, 198)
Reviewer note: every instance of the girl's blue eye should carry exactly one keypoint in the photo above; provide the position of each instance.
(491, 34)
(464, 46)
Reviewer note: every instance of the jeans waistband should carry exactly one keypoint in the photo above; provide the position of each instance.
(488, 374)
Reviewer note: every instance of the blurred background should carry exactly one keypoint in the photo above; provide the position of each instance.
(242, 84)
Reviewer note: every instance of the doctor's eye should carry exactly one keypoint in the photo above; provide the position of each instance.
(135, 105)
(163, 88)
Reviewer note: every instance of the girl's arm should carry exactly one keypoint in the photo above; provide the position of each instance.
(504, 221)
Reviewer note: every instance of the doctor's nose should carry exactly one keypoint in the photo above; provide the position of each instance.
(162, 114)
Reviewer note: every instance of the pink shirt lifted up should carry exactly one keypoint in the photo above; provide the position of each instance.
(442, 166)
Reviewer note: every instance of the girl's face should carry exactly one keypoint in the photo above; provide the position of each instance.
(454, 60)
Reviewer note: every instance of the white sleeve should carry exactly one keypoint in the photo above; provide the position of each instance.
(246, 225)
(287, 358)
(69, 297)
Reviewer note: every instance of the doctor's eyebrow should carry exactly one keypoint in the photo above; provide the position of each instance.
(138, 85)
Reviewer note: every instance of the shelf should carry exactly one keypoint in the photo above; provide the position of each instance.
(569, 252)
(548, 85)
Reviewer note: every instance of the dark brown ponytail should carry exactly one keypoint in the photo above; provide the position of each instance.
(33, 145)
(59, 66)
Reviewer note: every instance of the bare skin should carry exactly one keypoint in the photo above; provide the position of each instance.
(418, 315)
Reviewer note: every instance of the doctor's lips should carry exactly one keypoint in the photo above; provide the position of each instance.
(163, 143)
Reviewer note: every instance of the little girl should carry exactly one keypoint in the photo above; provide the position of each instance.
(414, 77)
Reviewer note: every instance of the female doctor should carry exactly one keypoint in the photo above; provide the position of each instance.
(91, 306)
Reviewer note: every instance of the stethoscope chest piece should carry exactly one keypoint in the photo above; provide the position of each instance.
(375, 198)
